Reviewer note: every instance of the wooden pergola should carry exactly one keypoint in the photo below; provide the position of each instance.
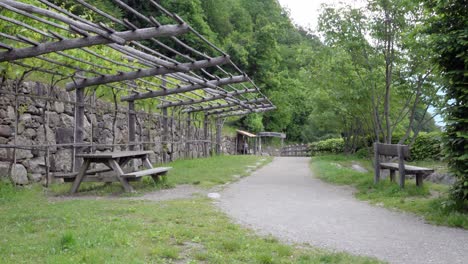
(175, 73)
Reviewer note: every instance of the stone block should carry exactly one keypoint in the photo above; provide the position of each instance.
(66, 121)
(6, 131)
(35, 165)
(19, 175)
(64, 135)
(35, 177)
(59, 107)
(62, 160)
(4, 169)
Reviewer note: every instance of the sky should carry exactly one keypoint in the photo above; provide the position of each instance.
(305, 12)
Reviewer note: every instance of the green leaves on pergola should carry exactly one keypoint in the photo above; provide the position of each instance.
(116, 54)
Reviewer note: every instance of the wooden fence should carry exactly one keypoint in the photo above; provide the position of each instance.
(298, 150)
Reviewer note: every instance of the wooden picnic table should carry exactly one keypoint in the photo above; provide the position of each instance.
(114, 161)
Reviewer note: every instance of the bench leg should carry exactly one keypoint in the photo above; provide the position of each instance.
(157, 177)
(79, 178)
(118, 170)
(392, 175)
(419, 179)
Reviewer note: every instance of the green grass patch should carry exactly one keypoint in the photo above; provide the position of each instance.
(204, 172)
(427, 201)
(35, 230)
(208, 172)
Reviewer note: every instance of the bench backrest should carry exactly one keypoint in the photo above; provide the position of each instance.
(391, 150)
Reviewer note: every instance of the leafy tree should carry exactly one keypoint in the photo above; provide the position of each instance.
(448, 27)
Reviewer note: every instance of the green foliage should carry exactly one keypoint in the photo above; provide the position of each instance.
(254, 123)
(449, 38)
(420, 201)
(427, 146)
(332, 145)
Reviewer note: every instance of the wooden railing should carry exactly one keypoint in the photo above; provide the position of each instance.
(299, 150)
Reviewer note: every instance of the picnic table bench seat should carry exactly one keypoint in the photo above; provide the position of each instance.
(153, 171)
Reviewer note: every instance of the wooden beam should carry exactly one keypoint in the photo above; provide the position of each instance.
(220, 106)
(212, 98)
(14, 5)
(188, 88)
(125, 76)
(227, 110)
(259, 110)
(139, 34)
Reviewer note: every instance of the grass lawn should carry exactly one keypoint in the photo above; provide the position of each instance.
(209, 172)
(37, 230)
(203, 172)
(427, 201)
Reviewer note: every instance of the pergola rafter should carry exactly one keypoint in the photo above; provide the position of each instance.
(141, 67)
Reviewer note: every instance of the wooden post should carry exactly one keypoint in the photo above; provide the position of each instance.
(164, 145)
(260, 145)
(218, 135)
(401, 165)
(205, 136)
(131, 125)
(377, 163)
(255, 146)
(187, 137)
(79, 126)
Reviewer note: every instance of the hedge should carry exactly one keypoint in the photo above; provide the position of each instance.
(332, 145)
(426, 146)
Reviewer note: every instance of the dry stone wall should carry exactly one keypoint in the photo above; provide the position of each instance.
(40, 122)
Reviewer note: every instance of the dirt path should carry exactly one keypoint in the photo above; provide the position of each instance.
(285, 200)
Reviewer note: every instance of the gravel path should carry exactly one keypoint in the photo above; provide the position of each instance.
(184, 191)
(285, 200)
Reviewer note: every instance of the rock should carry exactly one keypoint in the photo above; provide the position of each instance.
(41, 136)
(35, 177)
(4, 169)
(336, 165)
(64, 135)
(19, 175)
(29, 133)
(30, 121)
(32, 109)
(3, 140)
(35, 165)
(214, 195)
(59, 107)
(62, 160)
(6, 131)
(444, 178)
(66, 121)
(22, 154)
(54, 119)
(359, 168)
(11, 113)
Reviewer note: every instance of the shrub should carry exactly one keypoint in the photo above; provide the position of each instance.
(427, 146)
(364, 153)
(332, 145)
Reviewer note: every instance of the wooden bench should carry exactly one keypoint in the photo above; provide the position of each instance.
(402, 152)
(154, 172)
